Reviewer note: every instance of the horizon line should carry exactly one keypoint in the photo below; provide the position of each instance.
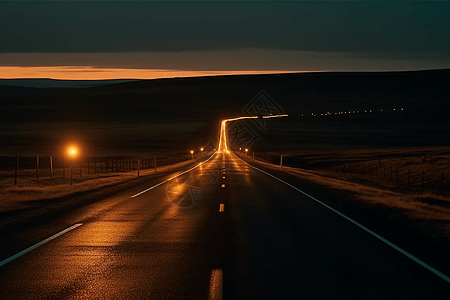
(88, 73)
(94, 73)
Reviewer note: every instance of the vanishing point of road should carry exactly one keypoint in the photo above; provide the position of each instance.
(223, 230)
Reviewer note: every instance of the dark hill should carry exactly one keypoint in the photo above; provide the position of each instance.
(123, 115)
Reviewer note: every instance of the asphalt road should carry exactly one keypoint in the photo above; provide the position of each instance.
(222, 230)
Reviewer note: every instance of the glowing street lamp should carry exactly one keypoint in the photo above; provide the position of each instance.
(72, 153)
(246, 150)
(201, 149)
(192, 154)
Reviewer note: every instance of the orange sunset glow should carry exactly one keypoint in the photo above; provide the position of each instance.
(92, 73)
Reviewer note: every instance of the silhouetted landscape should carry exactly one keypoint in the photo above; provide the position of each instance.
(148, 116)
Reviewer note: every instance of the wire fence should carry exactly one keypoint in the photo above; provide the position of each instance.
(18, 167)
(414, 179)
(415, 173)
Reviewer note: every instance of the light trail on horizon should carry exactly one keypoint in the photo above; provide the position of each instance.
(223, 144)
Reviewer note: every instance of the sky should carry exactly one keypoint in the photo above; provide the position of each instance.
(153, 39)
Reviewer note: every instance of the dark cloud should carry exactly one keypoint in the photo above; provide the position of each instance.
(375, 29)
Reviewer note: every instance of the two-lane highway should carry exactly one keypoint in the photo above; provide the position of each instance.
(223, 229)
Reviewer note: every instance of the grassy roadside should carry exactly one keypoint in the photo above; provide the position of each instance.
(428, 208)
(30, 192)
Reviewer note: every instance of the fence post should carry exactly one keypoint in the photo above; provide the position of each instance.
(138, 166)
(154, 163)
(37, 167)
(281, 162)
(51, 167)
(17, 167)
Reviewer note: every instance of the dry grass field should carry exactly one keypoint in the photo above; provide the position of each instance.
(353, 172)
(29, 190)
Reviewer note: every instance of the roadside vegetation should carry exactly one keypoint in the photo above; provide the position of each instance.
(423, 195)
(28, 190)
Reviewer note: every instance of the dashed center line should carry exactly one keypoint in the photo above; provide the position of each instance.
(223, 185)
(221, 207)
(216, 285)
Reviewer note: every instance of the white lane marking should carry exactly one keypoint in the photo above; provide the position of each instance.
(223, 185)
(167, 180)
(216, 285)
(223, 177)
(221, 207)
(407, 254)
(11, 258)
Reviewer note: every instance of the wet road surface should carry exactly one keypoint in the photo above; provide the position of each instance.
(222, 230)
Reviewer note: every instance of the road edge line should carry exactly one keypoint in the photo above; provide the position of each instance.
(392, 245)
(167, 180)
(11, 258)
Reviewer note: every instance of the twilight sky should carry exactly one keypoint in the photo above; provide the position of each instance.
(110, 39)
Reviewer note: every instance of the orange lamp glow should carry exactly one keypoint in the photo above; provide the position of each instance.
(72, 151)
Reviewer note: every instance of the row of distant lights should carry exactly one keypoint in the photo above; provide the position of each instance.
(349, 112)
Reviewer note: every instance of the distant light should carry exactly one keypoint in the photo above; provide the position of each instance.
(201, 149)
(192, 151)
(72, 151)
(381, 110)
(394, 108)
(402, 108)
(246, 150)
